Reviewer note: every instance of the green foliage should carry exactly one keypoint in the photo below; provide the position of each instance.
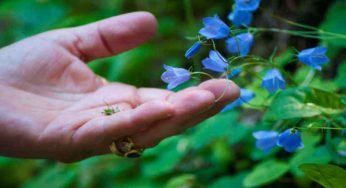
(326, 175)
(230, 181)
(341, 76)
(265, 173)
(219, 152)
(186, 181)
(335, 22)
(304, 102)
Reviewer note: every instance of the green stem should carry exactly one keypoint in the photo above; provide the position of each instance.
(325, 128)
(318, 30)
(309, 77)
(202, 73)
(300, 33)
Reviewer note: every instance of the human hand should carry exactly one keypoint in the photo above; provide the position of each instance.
(51, 103)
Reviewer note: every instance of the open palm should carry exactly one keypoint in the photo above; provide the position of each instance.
(51, 103)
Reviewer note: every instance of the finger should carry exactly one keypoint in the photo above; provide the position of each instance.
(227, 89)
(100, 132)
(187, 104)
(106, 37)
(152, 94)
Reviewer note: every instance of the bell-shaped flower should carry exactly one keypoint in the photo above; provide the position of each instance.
(248, 5)
(314, 57)
(290, 140)
(193, 50)
(214, 28)
(240, 44)
(240, 17)
(234, 73)
(273, 81)
(266, 140)
(174, 76)
(215, 62)
(245, 96)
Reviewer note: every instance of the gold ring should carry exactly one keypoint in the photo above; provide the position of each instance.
(125, 147)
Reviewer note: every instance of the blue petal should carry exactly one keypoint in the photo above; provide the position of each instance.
(240, 18)
(174, 76)
(216, 56)
(247, 5)
(208, 33)
(314, 57)
(240, 44)
(273, 81)
(193, 50)
(290, 141)
(214, 28)
(264, 134)
(266, 140)
(235, 72)
(213, 65)
(245, 96)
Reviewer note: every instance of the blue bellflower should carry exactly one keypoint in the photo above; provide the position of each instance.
(193, 50)
(247, 5)
(214, 28)
(273, 81)
(245, 96)
(234, 73)
(174, 76)
(240, 18)
(266, 140)
(314, 57)
(240, 44)
(215, 62)
(290, 140)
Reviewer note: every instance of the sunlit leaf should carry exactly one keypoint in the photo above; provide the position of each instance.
(327, 175)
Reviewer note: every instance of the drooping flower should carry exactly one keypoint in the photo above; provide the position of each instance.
(215, 62)
(193, 50)
(214, 28)
(240, 17)
(290, 140)
(174, 76)
(235, 72)
(314, 57)
(245, 96)
(240, 44)
(265, 140)
(273, 81)
(247, 5)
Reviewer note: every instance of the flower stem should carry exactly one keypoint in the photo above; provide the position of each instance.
(309, 77)
(202, 73)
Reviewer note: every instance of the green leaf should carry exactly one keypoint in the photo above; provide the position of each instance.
(54, 176)
(224, 125)
(341, 76)
(326, 175)
(230, 181)
(164, 157)
(309, 155)
(335, 22)
(265, 173)
(185, 181)
(304, 102)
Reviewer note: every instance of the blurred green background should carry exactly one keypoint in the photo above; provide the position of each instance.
(219, 152)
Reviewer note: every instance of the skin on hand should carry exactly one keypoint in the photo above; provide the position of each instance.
(51, 103)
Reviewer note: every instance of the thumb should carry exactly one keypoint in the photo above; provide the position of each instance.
(106, 37)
